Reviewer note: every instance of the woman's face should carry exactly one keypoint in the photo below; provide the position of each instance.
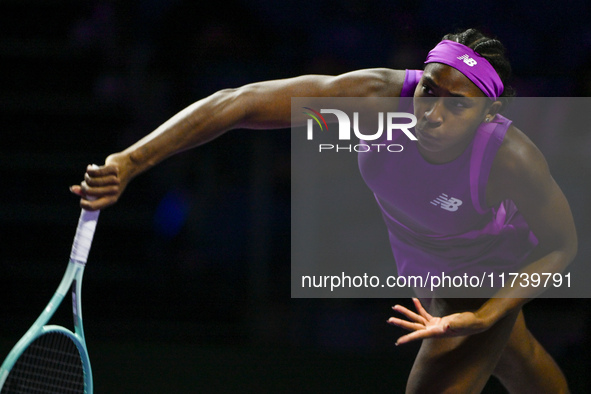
(449, 108)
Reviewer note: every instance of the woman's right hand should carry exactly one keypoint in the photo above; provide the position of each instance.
(102, 185)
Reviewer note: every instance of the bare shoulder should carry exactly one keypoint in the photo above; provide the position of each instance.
(518, 153)
(519, 165)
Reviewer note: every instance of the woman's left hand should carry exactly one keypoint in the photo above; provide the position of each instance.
(423, 325)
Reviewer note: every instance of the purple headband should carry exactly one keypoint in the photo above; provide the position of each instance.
(469, 63)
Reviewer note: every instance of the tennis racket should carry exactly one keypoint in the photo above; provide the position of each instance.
(50, 358)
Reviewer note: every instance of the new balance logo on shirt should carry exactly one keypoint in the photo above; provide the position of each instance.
(468, 60)
(448, 203)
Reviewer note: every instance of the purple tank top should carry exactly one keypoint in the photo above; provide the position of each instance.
(436, 214)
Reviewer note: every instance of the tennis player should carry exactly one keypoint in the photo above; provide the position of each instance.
(512, 210)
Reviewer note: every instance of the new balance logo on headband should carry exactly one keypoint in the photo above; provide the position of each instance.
(468, 60)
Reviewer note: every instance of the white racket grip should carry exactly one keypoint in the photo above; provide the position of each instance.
(84, 235)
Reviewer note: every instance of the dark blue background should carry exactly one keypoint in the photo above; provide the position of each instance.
(187, 287)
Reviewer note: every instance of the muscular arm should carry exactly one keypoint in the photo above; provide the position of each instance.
(521, 174)
(260, 105)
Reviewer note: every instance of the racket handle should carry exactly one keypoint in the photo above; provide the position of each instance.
(84, 235)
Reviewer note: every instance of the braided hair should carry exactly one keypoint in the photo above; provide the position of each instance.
(493, 51)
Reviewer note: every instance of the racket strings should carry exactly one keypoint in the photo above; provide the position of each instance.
(51, 364)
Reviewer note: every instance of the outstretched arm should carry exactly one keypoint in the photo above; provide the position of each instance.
(519, 173)
(263, 105)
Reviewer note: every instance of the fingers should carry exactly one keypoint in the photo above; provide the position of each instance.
(418, 335)
(421, 310)
(104, 178)
(423, 325)
(95, 171)
(100, 188)
(77, 190)
(410, 314)
(407, 325)
(418, 323)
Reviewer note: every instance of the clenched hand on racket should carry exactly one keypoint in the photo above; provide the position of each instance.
(105, 184)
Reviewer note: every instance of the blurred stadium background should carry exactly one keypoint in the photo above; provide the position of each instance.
(187, 289)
